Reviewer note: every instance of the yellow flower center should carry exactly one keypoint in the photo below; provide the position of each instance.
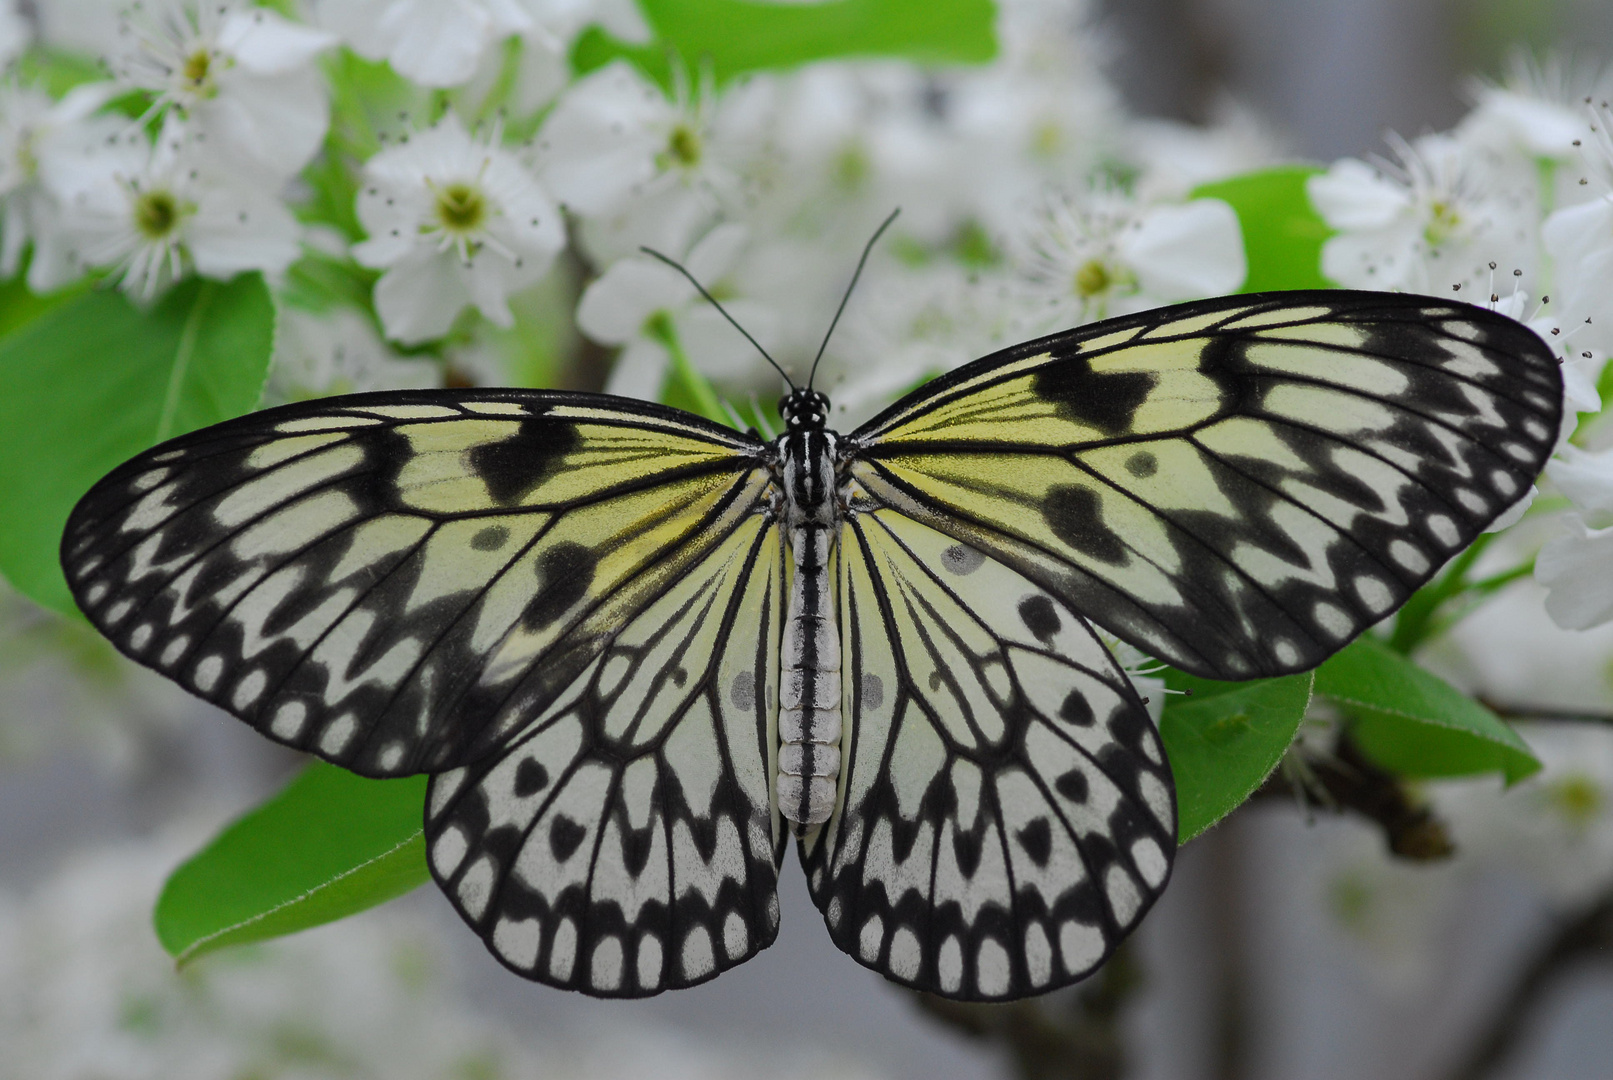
(1577, 798)
(461, 207)
(1092, 278)
(684, 146)
(156, 213)
(197, 73)
(1443, 221)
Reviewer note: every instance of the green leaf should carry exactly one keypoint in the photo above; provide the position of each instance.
(1225, 739)
(88, 382)
(330, 845)
(1282, 232)
(736, 36)
(1416, 724)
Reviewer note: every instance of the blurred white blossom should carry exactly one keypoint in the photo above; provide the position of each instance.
(150, 211)
(33, 126)
(15, 32)
(317, 354)
(639, 302)
(1441, 215)
(432, 42)
(242, 76)
(454, 220)
(1101, 254)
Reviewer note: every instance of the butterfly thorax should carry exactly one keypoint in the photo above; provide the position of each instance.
(809, 678)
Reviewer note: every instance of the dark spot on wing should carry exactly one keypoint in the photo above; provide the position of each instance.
(1075, 514)
(1076, 710)
(1040, 617)
(490, 539)
(530, 778)
(1142, 464)
(1072, 785)
(512, 467)
(961, 560)
(565, 571)
(1107, 401)
(564, 837)
(1037, 840)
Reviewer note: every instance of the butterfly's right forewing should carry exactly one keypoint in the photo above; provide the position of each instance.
(395, 582)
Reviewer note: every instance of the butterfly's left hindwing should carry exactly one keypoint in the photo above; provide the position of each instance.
(1005, 812)
(1237, 486)
(626, 842)
(396, 581)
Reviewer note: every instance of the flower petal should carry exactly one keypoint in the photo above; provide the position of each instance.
(1184, 252)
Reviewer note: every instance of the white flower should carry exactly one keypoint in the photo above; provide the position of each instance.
(1574, 566)
(431, 42)
(150, 211)
(337, 352)
(1535, 110)
(243, 77)
(453, 220)
(15, 32)
(640, 301)
(1102, 254)
(1439, 217)
(1557, 826)
(32, 125)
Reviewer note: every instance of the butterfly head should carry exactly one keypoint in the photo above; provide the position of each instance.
(804, 410)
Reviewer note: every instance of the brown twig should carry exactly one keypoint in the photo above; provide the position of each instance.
(1346, 780)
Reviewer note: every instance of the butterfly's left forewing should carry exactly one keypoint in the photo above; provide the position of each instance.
(1005, 813)
(626, 842)
(1238, 486)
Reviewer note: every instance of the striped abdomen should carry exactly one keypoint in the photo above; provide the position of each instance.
(809, 685)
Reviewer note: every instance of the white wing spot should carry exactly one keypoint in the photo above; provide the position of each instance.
(449, 851)
(1472, 500)
(338, 733)
(1150, 861)
(991, 968)
(475, 887)
(873, 936)
(735, 935)
(832, 912)
(1124, 900)
(1504, 482)
(288, 721)
(391, 754)
(1038, 954)
(1081, 946)
(1409, 556)
(208, 669)
(1444, 530)
(95, 592)
(697, 958)
(950, 964)
(605, 972)
(517, 940)
(1518, 452)
(249, 688)
(906, 954)
(563, 951)
(141, 635)
(649, 962)
(174, 650)
(117, 611)
(1332, 618)
(1374, 593)
(1285, 651)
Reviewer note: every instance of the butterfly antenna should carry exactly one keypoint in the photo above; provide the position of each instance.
(867, 249)
(679, 268)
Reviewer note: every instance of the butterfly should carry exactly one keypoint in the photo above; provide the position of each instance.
(637, 651)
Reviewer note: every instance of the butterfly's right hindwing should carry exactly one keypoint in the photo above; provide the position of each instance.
(395, 581)
(626, 842)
